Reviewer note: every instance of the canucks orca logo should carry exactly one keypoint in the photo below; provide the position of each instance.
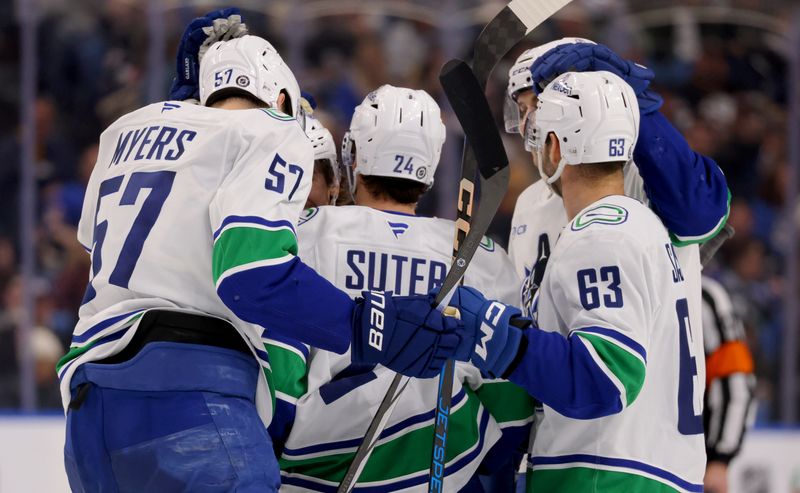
(307, 214)
(398, 228)
(487, 244)
(601, 214)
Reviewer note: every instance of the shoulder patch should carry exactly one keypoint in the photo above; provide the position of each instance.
(487, 244)
(307, 214)
(601, 214)
(277, 115)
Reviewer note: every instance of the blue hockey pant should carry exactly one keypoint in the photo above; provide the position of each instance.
(175, 417)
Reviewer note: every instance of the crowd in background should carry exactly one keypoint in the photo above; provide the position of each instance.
(724, 87)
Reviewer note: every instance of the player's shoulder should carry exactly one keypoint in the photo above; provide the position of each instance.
(613, 219)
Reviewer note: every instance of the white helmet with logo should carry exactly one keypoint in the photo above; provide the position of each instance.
(324, 148)
(519, 79)
(594, 115)
(397, 132)
(248, 64)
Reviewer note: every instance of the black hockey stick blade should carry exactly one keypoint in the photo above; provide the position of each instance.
(466, 97)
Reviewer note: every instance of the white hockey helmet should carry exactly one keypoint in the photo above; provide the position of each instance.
(397, 132)
(248, 64)
(324, 148)
(594, 115)
(519, 79)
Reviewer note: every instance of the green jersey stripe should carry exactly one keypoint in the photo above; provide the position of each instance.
(292, 378)
(629, 369)
(585, 479)
(506, 402)
(384, 465)
(76, 351)
(238, 246)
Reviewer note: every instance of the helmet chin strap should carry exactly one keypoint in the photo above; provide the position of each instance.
(549, 180)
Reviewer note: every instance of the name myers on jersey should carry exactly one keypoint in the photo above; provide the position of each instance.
(155, 142)
(379, 271)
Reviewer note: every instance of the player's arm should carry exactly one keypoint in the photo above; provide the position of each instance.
(255, 265)
(686, 189)
(599, 368)
(729, 371)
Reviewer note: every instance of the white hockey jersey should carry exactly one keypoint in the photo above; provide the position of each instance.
(175, 185)
(359, 248)
(615, 288)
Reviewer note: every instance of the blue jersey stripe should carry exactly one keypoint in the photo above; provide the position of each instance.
(103, 340)
(617, 336)
(391, 430)
(253, 220)
(95, 329)
(294, 343)
(420, 479)
(614, 462)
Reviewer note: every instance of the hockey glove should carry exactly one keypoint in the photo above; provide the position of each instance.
(406, 334)
(495, 341)
(200, 34)
(586, 57)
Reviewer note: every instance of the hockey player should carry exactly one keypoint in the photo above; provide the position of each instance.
(729, 407)
(609, 350)
(325, 182)
(393, 147)
(190, 219)
(685, 189)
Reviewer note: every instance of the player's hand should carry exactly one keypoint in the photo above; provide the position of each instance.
(716, 479)
(406, 334)
(585, 57)
(200, 34)
(495, 342)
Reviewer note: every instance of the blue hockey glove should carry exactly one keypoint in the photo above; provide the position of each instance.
(495, 342)
(200, 34)
(585, 57)
(406, 334)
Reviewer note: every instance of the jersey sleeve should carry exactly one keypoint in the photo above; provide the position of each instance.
(687, 190)
(288, 377)
(600, 292)
(255, 266)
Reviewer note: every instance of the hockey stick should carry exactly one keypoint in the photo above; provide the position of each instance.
(503, 32)
(483, 150)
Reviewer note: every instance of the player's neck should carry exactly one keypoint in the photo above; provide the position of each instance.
(234, 103)
(578, 194)
(364, 198)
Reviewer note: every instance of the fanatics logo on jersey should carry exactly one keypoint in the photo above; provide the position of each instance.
(398, 228)
(602, 214)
